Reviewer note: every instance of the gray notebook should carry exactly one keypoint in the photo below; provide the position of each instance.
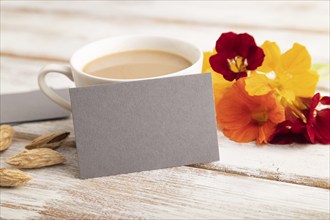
(31, 106)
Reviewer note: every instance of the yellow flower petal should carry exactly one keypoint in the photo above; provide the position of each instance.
(296, 59)
(258, 84)
(206, 62)
(220, 85)
(272, 57)
(293, 75)
(288, 95)
(303, 84)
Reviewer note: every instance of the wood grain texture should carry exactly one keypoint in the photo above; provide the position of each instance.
(207, 13)
(20, 75)
(295, 163)
(274, 162)
(200, 23)
(34, 33)
(175, 193)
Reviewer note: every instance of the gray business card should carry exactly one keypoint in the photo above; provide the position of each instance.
(144, 125)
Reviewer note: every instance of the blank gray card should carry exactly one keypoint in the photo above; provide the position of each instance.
(144, 125)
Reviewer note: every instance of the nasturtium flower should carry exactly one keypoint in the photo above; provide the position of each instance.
(244, 118)
(316, 129)
(220, 85)
(288, 75)
(236, 55)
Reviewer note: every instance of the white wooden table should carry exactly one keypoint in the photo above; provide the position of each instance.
(269, 182)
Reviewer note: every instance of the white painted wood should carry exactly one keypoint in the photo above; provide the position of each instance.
(221, 13)
(272, 162)
(20, 75)
(34, 34)
(175, 193)
(300, 164)
(78, 23)
(297, 163)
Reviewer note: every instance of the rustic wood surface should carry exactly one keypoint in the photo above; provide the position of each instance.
(270, 182)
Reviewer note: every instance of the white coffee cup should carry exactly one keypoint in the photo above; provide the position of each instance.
(100, 48)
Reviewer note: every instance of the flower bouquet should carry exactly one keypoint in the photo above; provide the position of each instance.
(264, 95)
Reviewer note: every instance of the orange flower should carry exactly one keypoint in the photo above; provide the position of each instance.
(245, 118)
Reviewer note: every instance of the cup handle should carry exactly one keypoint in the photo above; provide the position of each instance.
(54, 68)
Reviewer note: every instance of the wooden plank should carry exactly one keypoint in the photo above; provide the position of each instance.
(200, 13)
(299, 164)
(20, 75)
(182, 192)
(295, 163)
(25, 33)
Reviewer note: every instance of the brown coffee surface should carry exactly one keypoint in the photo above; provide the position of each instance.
(136, 64)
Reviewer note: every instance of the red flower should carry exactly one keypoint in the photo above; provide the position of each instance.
(315, 130)
(318, 121)
(236, 54)
(288, 132)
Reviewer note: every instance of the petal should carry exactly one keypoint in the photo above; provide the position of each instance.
(315, 101)
(245, 42)
(230, 114)
(220, 64)
(277, 113)
(265, 132)
(206, 62)
(288, 95)
(233, 121)
(287, 133)
(239, 91)
(272, 57)
(296, 59)
(311, 134)
(233, 110)
(282, 134)
(220, 85)
(258, 84)
(325, 100)
(255, 58)
(241, 75)
(322, 126)
(226, 44)
(302, 84)
(245, 134)
(230, 77)
(298, 127)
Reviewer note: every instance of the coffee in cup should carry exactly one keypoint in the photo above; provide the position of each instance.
(125, 59)
(136, 64)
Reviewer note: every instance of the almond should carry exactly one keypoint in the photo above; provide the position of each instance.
(53, 140)
(13, 177)
(36, 158)
(6, 136)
